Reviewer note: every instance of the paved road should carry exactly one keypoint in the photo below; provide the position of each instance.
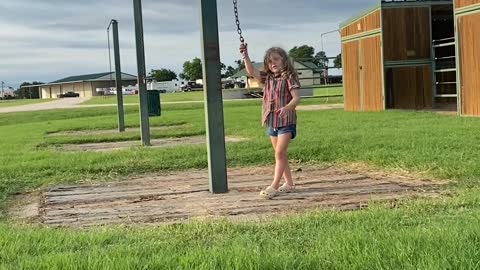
(64, 103)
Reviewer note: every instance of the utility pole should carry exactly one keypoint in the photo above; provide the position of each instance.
(3, 94)
(324, 34)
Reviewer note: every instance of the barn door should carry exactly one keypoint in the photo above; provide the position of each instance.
(351, 73)
(371, 90)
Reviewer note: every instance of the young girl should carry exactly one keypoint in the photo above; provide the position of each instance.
(280, 98)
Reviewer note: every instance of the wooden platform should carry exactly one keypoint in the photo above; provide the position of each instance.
(183, 196)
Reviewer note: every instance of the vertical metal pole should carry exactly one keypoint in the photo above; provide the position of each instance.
(382, 61)
(326, 74)
(322, 49)
(109, 57)
(118, 77)
(3, 95)
(458, 65)
(433, 65)
(142, 88)
(321, 40)
(213, 97)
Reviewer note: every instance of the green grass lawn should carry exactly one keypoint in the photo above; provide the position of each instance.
(197, 96)
(437, 233)
(167, 97)
(325, 91)
(18, 102)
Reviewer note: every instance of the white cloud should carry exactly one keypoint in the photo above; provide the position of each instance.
(50, 39)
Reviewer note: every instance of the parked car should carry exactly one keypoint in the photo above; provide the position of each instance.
(192, 86)
(125, 92)
(7, 96)
(68, 94)
(227, 84)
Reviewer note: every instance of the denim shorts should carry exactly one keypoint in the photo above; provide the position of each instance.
(274, 132)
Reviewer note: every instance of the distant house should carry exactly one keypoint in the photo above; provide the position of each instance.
(84, 85)
(308, 73)
(8, 93)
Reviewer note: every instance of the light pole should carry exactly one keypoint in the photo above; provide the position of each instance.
(324, 34)
(323, 50)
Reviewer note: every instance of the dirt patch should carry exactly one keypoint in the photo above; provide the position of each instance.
(63, 103)
(25, 207)
(109, 131)
(182, 196)
(166, 142)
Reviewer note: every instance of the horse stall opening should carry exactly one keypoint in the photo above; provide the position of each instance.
(407, 55)
(419, 46)
(417, 57)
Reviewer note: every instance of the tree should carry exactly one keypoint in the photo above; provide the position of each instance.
(162, 75)
(182, 76)
(338, 61)
(223, 70)
(31, 92)
(192, 70)
(230, 71)
(320, 59)
(227, 71)
(240, 66)
(304, 51)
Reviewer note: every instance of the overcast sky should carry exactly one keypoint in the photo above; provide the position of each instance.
(47, 40)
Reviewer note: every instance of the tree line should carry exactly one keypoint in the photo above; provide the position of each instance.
(192, 70)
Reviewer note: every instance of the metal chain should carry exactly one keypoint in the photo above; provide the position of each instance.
(237, 20)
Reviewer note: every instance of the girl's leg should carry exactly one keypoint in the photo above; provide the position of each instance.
(281, 159)
(287, 174)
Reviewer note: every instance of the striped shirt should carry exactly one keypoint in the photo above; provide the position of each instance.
(276, 95)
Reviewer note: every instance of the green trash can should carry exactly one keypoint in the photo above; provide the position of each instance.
(153, 97)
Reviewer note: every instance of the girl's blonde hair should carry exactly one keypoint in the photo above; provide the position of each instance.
(287, 71)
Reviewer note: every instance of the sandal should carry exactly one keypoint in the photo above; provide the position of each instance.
(269, 192)
(286, 188)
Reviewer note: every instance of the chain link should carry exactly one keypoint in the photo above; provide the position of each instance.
(237, 21)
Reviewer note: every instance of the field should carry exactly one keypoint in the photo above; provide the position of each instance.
(439, 232)
(19, 102)
(197, 96)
